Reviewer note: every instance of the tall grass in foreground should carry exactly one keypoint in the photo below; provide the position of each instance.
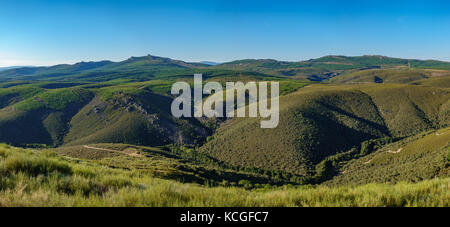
(29, 178)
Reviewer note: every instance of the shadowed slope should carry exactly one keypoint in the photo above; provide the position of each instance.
(41, 119)
(141, 118)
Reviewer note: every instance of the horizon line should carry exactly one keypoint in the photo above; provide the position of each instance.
(218, 62)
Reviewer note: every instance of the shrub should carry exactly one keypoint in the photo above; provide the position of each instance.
(83, 171)
(4, 152)
(49, 154)
(35, 165)
(79, 185)
(116, 181)
(246, 184)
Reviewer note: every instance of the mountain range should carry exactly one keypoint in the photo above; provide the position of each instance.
(10, 67)
(150, 66)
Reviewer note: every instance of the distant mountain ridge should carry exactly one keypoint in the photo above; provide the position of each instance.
(10, 67)
(149, 66)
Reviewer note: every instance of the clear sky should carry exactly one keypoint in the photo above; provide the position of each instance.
(46, 32)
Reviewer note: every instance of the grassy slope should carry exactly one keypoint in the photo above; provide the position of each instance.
(140, 111)
(42, 118)
(435, 82)
(15, 94)
(382, 76)
(320, 121)
(420, 157)
(135, 116)
(389, 76)
(407, 110)
(30, 178)
(163, 163)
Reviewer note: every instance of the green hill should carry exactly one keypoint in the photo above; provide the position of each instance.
(329, 66)
(390, 76)
(43, 118)
(140, 117)
(14, 94)
(321, 121)
(414, 159)
(53, 71)
(79, 116)
(441, 81)
(381, 76)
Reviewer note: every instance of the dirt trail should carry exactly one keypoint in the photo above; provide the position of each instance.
(110, 150)
(395, 152)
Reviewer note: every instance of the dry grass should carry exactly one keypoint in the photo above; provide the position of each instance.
(90, 184)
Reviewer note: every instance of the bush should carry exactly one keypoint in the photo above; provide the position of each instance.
(246, 184)
(49, 154)
(79, 185)
(4, 153)
(35, 165)
(83, 171)
(116, 181)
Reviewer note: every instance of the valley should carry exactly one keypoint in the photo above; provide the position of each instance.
(347, 126)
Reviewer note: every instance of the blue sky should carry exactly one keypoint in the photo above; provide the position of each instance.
(47, 32)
